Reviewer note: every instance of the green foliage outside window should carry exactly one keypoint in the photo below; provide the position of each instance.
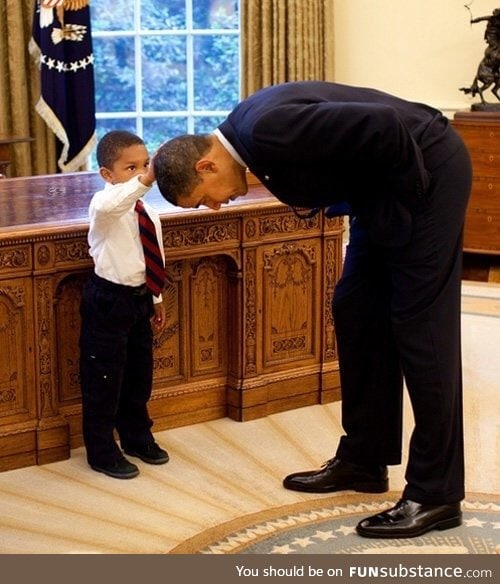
(165, 67)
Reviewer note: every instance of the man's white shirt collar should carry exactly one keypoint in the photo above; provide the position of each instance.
(228, 146)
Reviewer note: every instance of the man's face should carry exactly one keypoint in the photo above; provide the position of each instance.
(221, 183)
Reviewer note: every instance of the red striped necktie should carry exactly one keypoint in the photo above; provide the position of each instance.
(155, 268)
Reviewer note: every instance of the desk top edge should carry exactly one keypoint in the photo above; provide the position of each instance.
(59, 203)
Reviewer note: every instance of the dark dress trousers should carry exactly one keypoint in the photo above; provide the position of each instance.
(406, 176)
(116, 368)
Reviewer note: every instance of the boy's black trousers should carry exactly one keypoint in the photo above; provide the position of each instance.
(116, 368)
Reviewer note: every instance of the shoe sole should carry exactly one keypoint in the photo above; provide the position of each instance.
(116, 475)
(439, 525)
(148, 460)
(358, 487)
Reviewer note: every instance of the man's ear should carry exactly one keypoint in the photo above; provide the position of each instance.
(106, 174)
(205, 165)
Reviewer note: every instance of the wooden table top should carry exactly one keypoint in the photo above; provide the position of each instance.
(40, 203)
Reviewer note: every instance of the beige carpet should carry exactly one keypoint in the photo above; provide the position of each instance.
(225, 471)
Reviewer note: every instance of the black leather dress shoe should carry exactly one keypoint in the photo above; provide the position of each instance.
(120, 469)
(150, 453)
(336, 475)
(410, 519)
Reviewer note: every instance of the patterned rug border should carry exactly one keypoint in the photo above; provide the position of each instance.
(348, 504)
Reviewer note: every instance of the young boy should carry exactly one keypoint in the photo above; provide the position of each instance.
(118, 307)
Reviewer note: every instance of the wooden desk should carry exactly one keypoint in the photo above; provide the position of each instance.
(248, 299)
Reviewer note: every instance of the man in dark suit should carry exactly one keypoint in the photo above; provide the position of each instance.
(405, 176)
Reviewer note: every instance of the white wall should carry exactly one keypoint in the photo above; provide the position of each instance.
(422, 50)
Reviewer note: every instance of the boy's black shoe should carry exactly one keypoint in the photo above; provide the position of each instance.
(150, 453)
(120, 469)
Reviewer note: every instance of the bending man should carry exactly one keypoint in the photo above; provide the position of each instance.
(405, 175)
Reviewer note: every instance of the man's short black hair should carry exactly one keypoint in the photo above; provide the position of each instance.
(174, 165)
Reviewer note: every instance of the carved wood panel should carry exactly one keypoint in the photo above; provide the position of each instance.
(290, 281)
(68, 296)
(17, 399)
(208, 341)
(168, 357)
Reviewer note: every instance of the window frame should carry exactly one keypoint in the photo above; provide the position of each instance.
(189, 33)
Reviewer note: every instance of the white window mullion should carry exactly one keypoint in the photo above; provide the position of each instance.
(138, 68)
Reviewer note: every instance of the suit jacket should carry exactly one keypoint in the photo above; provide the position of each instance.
(316, 144)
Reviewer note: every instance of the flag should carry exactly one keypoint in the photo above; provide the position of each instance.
(61, 43)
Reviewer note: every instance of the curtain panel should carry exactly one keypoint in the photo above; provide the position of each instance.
(19, 92)
(285, 40)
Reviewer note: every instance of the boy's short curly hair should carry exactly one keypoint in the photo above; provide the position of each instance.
(110, 146)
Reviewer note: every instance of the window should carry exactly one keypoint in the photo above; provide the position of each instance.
(165, 67)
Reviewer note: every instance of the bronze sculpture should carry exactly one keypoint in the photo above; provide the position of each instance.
(488, 71)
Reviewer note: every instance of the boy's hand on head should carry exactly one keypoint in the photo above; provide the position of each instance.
(149, 178)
